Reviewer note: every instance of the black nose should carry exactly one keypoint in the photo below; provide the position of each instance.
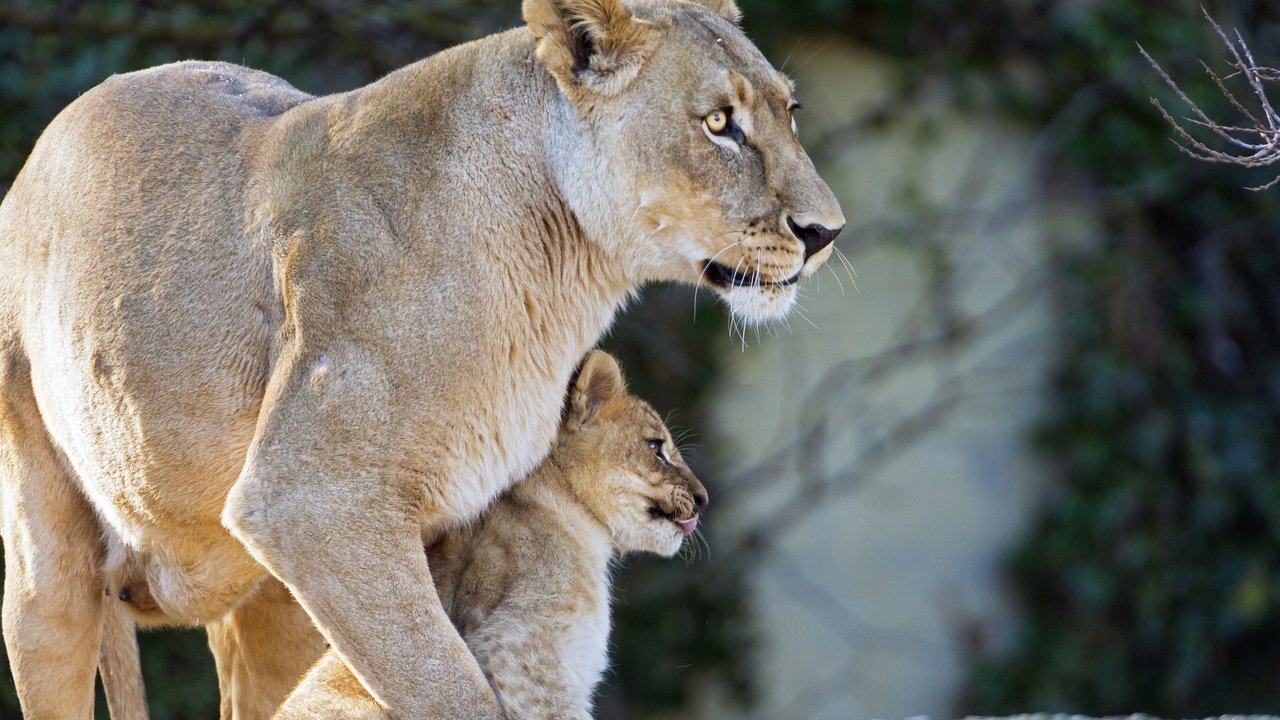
(700, 499)
(815, 237)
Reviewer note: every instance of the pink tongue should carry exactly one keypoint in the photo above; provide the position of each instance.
(688, 526)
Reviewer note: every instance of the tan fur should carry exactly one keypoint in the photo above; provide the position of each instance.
(263, 646)
(119, 664)
(527, 584)
(244, 330)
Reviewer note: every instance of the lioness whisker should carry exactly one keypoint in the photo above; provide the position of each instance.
(799, 310)
(733, 323)
(837, 277)
(786, 325)
(853, 274)
(794, 45)
(812, 56)
(701, 276)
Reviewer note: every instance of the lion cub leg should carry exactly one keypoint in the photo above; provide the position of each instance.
(52, 548)
(330, 691)
(262, 648)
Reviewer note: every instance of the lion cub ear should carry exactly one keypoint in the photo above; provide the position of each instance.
(596, 392)
(591, 44)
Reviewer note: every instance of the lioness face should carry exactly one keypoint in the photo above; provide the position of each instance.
(624, 463)
(733, 201)
(697, 146)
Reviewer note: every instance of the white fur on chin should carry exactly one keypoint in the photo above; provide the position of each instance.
(756, 306)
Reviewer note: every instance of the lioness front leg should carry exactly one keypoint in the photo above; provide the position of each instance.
(324, 503)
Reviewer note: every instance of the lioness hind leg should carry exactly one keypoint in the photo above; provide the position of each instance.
(262, 647)
(52, 549)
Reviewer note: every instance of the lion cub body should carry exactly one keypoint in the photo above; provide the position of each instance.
(527, 584)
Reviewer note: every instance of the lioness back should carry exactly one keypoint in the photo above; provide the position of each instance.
(527, 584)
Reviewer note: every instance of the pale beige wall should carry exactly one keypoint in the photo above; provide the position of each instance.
(859, 603)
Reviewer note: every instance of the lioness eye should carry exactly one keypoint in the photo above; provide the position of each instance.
(717, 121)
(655, 444)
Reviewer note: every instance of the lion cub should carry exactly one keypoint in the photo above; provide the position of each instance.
(527, 584)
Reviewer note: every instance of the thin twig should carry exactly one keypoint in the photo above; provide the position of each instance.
(1259, 143)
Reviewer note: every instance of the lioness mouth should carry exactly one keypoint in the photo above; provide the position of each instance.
(724, 276)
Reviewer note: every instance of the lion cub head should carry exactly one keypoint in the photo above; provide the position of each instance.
(686, 161)
(621, 463)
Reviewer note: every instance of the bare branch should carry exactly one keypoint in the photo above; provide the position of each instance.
(1258, 143)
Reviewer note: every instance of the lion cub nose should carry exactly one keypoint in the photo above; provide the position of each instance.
(815, 237)
(700, 498)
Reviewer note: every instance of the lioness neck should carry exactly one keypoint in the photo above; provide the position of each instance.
(461, 155)
(452, 214)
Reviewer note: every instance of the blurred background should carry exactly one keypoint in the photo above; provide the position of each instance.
(1020, 449)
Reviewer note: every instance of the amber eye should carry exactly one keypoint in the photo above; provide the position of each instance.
(717, 121)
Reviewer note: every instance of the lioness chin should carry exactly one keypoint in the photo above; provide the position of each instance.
(244, 330)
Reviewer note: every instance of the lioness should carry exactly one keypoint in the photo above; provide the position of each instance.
(244, 330)
(527, 584)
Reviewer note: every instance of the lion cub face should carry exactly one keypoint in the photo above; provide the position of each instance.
(692, 147)
(623, 464)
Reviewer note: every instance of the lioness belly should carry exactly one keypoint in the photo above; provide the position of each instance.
(148, 311)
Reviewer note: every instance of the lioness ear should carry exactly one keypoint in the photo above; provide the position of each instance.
(593, 44)
(726, 9)
(597, 389)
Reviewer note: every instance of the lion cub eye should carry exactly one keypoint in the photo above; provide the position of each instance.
(717, 121)
(655, 444)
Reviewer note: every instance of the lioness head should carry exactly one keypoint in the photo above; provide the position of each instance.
(622, 463)
(686, 161)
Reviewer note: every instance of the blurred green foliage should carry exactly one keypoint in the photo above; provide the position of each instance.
(1151, 579)
(677, 628)
(50, 52)
(1150, 582)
